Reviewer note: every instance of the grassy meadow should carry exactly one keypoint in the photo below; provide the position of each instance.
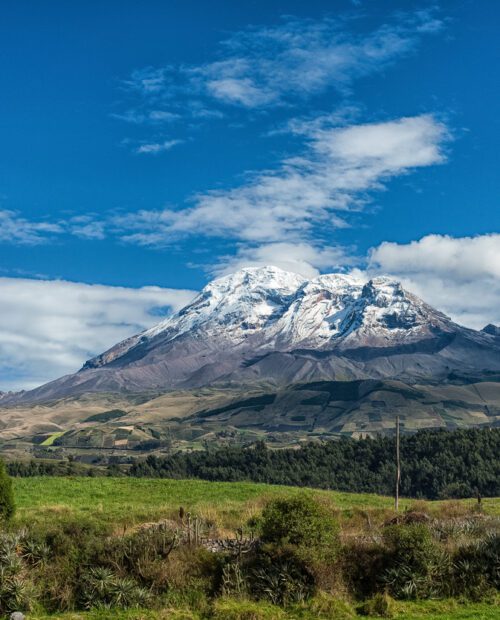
(130, 501)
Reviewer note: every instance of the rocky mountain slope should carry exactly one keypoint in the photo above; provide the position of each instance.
(274, 328)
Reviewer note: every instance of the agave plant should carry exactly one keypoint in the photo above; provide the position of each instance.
(34, 552)
(282, 584)
(16, 593)
(102, 588)
(9, 547)
(477, 566)
(126, 593)
(98, 584)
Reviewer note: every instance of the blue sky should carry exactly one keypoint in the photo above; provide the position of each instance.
(154, 144)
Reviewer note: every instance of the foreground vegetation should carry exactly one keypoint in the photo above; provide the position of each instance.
(142, 548)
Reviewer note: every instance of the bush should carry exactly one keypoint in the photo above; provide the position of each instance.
(142, 555)
(326, 606)
(301, 521)
(7, 506)
(476, 568)
(102, 588)
(363, 562)
(300, 539)
(281, 576)
(16, 590)
(417, 566)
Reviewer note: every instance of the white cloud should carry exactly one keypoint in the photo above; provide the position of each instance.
(157, 147)
(239, 90)
(278, 212)
(274, 66)
(459, 275)
(334, 175)
(149, 79)
(87, 227)
(304, 57)
(303, 258)
(16, 229)
(152, 116)
(50, 327)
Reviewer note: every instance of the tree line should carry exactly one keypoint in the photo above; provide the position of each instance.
(435, 464)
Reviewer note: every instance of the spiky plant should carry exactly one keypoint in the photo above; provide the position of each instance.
(34, 552)
(97, 587)
(16, 594)
(126, 593)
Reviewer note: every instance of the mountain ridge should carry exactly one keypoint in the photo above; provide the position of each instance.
(266, 324)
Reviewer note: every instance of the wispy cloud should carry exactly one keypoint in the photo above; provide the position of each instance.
(49, 328)
(150, 116)
(296, 205)
(263, 67)
(154, 148)
(303, 57)
(86, 227)
(305, 195)
(14, 228)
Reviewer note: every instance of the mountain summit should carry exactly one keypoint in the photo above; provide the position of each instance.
(277, 310)
(268, 325)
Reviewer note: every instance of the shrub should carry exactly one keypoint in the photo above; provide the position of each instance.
(301, 521)
(16, 590)
(417, 566)
(141, 555)
(279, 575)
(363, 562)
(326, 606)
(300, 539)
(476, 568)
(102, 588)
(7, 506)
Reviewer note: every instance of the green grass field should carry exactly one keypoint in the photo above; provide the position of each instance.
(130, 500)
(127, 501)
(51, 438)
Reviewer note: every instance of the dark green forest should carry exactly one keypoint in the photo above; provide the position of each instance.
(435, 465)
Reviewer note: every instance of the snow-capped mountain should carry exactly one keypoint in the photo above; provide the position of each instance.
(286, 311)
(269, 325)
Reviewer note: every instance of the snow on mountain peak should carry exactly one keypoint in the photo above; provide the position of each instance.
(247, 297)
(272, 308)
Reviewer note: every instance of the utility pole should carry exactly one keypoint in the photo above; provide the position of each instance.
(398, 467)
